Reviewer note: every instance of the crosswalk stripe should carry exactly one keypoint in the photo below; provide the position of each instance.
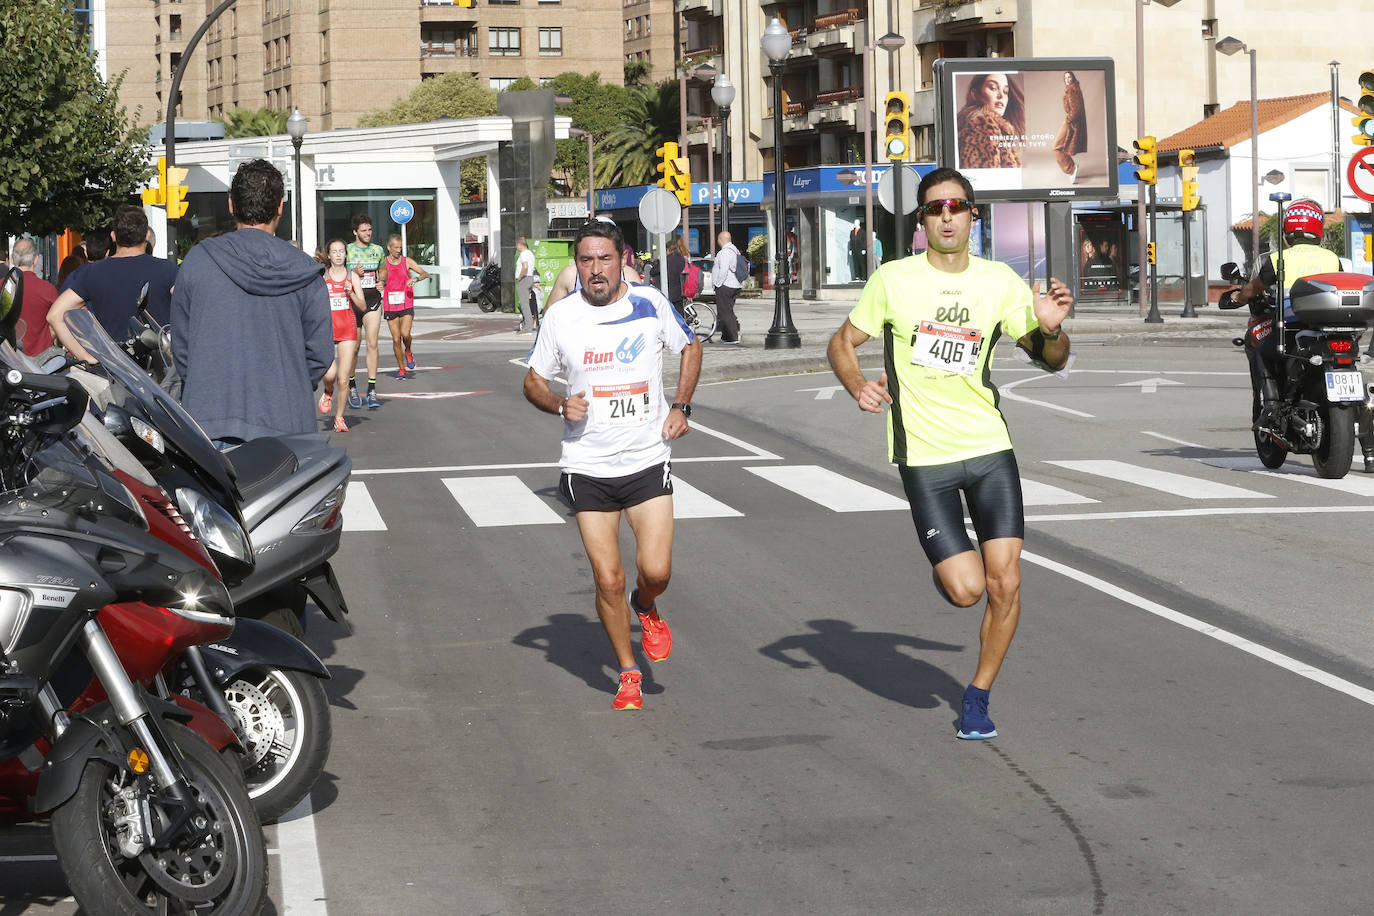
(826, 488)
(360, 512)
(689, 502)
(1165, 481)
(1353, 484)
(1035, 493)
(500, 501)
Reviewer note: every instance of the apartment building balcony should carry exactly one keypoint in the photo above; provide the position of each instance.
(835, 33)
(439, 50)
(922, 109)
(936, 22)
(447, 11)
(701, 9)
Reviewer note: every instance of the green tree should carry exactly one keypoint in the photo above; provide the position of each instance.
(453, 95)
(71, 152)
(625, 155)
(254, 122)
(597, 108)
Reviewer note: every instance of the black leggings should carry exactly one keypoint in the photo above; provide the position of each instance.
(992, 486)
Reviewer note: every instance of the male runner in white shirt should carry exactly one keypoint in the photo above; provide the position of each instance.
(608, 339)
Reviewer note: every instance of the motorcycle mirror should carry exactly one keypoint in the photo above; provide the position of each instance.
(1230, 272)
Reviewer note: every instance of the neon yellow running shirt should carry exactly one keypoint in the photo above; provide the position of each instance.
(938, 331)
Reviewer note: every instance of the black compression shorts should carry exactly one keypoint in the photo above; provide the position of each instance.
(611, 494)
(992, 486)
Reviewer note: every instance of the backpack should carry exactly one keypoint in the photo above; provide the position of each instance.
(691, 281)
(742, 267)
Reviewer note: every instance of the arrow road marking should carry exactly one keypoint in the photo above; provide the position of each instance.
(1148, 385)
(824, 393)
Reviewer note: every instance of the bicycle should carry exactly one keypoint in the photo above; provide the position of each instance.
(701, 318)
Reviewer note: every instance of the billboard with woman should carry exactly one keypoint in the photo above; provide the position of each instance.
(1029, 128)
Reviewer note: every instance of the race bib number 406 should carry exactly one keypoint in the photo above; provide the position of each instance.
(947, 347)
(620, 405)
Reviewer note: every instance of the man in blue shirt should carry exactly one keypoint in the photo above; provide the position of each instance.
(109, 287)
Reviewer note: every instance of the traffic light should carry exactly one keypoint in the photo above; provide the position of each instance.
(1150, 252)
(1186, 158)
(667, 154)
(676, 173)
(1147, 161)
(1364, 121)
(157, 196)
(176, 192)
(897, 117)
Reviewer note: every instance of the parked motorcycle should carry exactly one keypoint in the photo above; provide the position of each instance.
(147, 816)
(486, 288)
(1319, 393)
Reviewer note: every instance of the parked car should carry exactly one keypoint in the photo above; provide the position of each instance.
(462, 283)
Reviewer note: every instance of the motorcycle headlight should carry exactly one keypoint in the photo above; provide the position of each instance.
(214, 526)
(202, 598)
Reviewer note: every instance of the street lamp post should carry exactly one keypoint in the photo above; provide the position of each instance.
(782, 335)
(1229, 45)
(295, 128)
(591, 169)
(723, 94)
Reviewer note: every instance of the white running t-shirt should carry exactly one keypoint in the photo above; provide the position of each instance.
(613, 355)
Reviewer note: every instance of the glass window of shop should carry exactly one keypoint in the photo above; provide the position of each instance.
(207, 214)
(337, 209)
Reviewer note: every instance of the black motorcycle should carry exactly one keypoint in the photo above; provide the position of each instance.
(486, 288)
(1317, 394)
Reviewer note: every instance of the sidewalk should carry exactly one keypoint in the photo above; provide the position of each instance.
(817, 319)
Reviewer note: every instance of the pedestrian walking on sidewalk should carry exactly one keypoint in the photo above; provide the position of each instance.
(608, 340)
(727, 286)
(939, 314)
(525, 275)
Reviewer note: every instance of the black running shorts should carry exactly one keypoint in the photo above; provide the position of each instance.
(372, 302)
(611, 494)
(992, 486)
(399, 313)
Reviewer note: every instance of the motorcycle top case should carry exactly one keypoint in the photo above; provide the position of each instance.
(1334, 299)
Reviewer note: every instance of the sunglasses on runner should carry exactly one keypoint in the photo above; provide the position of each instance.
(936, 207)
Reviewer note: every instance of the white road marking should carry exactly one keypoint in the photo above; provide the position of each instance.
(1148, 385)
(689, 502)
(302, 879)
(428, 395)
(1196, 513)
(738, 443)
(1352, 483)
(498, 502)
(1164, 481)
(1147, 432)
(824, 393)
(359, 511)
(1034, 493)
(826, 488)
(1005, 390)
(1302, 669)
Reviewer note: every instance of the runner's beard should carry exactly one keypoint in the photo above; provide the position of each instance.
(603, 297)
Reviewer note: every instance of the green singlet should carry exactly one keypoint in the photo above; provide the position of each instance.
(939, 330)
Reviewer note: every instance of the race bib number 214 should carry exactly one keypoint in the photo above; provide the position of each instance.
(947, 347)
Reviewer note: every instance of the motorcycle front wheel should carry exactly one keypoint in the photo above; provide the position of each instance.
(217, 863)
(1337, 449)
(284, 724)
(488, 303)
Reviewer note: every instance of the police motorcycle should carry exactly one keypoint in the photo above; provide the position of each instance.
(146, 814)
(264, 682)
(1318, 393)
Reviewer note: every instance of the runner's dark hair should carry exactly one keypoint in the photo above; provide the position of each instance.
(940, 175)
(256, 193)
(360, 219)
(597, 229)
(130, 226)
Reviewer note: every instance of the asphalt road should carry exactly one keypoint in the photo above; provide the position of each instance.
(1185, 713)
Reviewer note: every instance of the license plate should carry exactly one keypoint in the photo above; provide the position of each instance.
(1344, 386)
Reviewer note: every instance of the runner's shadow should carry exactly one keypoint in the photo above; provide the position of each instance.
(578, 645)
(877, 662)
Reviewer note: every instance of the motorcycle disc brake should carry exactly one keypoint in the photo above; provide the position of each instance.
(260, 723)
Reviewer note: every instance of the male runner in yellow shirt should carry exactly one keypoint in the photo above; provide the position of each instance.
(940, 314)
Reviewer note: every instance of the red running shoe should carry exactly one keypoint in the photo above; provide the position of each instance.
(629, 695)
(655, 636)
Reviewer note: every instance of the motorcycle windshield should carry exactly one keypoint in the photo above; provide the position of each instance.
(144, 398)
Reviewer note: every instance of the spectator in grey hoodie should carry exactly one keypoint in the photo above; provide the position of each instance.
(251, 333)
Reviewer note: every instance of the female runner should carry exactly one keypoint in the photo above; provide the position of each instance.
(345, 303)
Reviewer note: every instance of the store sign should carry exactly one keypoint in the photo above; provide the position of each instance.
(568, 209)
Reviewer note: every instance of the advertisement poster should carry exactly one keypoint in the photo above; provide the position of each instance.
(1029, 128)
(1101, 255)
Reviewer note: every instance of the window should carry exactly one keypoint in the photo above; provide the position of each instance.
(286, 42)
(503, 42)
(174, 25)
(550, 42)
(324, 47)
(500, 83)
(234, 69)
(326, 104)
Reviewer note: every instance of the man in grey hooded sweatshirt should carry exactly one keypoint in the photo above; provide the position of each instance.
(251, 332)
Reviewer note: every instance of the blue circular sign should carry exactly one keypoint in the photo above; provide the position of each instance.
(401, 211)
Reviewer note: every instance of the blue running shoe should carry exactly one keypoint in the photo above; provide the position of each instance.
(355, 400)
(410, 360)
(974, 723)
(372, 402)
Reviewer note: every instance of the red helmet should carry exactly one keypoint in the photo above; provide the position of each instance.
(1304, 220)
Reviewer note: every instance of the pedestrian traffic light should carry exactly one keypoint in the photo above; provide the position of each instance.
(1364, 121)
(897, 108)
(1147, 161)
(175, 192)
(1186, 158)
(1150, 252)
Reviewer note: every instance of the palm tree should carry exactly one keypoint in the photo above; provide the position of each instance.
(625, 155)
(254, 122)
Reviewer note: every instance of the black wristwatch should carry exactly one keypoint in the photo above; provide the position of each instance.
(685, 408)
